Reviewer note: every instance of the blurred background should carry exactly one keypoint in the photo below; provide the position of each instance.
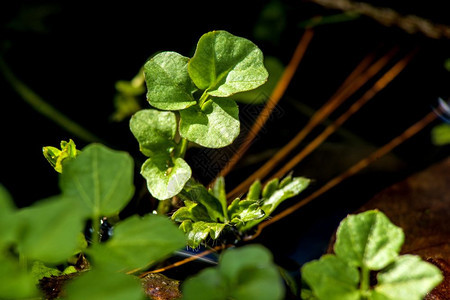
(73, 54)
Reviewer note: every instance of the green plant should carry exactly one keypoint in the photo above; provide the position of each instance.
(197, 91)
(244, 273)
(206, 213)
(368, 243)
(48, 234)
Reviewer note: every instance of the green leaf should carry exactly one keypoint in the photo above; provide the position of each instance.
(138, 242)
(100, 178)
(191, 211)
(224, 64)
(254, 192)
(206, 285)
(332, 278)
(56, 157)
(196, 192)
(16, 283)
(199, 231)
(277, 196)
(447, 64)
(104, 284)
(9, 223)
(215, 125)
(368, 239)
(6, 202)
(263, 93)
(154, 130)
(408, 278)
(169, 86)
(440, 134)
(270, 188)
(166, 176)
(245, 211)
(51, 229)
(218, 191)
(244, 273)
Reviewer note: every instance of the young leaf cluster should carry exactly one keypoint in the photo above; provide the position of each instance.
(192, 100)
(34, 240)
(365, 243)
(206, 213)
(56, 156)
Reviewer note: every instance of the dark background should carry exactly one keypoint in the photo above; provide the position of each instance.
(72, 53)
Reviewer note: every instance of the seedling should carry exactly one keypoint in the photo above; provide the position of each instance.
(368, 243)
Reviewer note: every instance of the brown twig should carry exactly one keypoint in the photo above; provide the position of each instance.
(187, 260)
(273, 100)
(390, 17)
(354, 81)
(408, 133)
(378, 86)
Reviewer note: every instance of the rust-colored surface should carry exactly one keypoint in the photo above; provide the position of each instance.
(421, 206)
(160, 287)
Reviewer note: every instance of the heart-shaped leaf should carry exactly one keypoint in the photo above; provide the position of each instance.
(104, 284)
(166, 176)
(154, 130)
(215, 125)
(51, 229)
(169, 86)
(369, 240)
(99, 178)
(243, 273)
(139, 242)
(224, 64)
(408, 278)
(332, 278)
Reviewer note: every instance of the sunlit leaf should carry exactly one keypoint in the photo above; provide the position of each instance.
(215, 125)
(408, 278)
(154, 130)
(56, 156)
(166, 176)
(262, 93)
(100, 178)
(368, 239)
(219, 192)
(199, 231)
(169, 86)
(196, 192)
(224, 64)
(332, 278)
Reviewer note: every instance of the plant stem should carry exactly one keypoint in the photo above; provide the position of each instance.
(365, 282)
(203, 99)
(182, 147)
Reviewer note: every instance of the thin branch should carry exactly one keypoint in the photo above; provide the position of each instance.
(378, 86)
(389, 17)
(408, 133)
(347, 89)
